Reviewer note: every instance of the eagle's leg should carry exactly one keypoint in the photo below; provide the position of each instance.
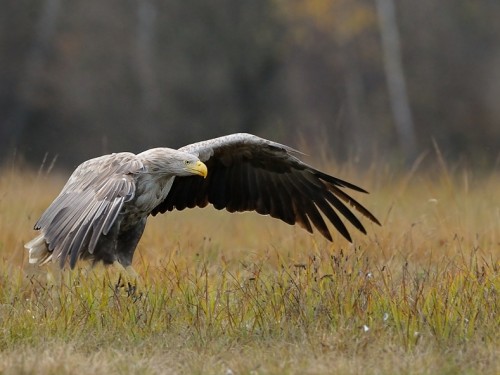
(126, 244)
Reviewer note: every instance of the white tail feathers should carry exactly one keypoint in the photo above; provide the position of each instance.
(38, 251)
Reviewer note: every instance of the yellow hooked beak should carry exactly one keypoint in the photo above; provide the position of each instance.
(199, 168)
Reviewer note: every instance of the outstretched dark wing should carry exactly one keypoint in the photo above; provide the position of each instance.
(248, 173)
(88, 205)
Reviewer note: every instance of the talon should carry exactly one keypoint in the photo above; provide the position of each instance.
(119, 283)
(131, 290)
(127, 280)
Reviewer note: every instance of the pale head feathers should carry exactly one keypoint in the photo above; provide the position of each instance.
(167, 161)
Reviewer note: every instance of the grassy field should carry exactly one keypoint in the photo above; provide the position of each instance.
(244, 294)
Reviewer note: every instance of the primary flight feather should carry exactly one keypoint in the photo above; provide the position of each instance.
(102, 210)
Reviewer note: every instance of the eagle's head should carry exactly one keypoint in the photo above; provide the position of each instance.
(170, 162)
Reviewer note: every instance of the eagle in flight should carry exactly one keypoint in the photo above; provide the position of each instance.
(102, 210)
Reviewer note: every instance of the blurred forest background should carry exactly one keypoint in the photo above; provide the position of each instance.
(379, 79)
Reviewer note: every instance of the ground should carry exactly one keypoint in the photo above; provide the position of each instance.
(245, 294)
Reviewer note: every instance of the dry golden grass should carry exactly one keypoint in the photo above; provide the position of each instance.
(245, 294)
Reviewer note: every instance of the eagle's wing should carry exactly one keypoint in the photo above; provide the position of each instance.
(88, 205)
(248, 173)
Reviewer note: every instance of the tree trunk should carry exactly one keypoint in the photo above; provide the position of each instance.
(396, 83)
(35, 62)
(149, 95)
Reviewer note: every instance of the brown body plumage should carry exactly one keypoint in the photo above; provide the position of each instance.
(102, 210)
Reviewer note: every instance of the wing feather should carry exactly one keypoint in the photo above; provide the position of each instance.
(88, 205)
(248, 173)
(319, 194)
(233, 192)
(243, 192)
(335, 202)
(292, 189)
(259, 195)
(264, 193)
(300, 215)
(350, 200)
(277, 210)
(286, 201)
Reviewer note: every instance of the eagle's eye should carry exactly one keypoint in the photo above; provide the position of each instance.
(186, 162)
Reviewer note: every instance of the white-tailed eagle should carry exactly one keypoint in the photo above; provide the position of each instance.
(101, 212)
